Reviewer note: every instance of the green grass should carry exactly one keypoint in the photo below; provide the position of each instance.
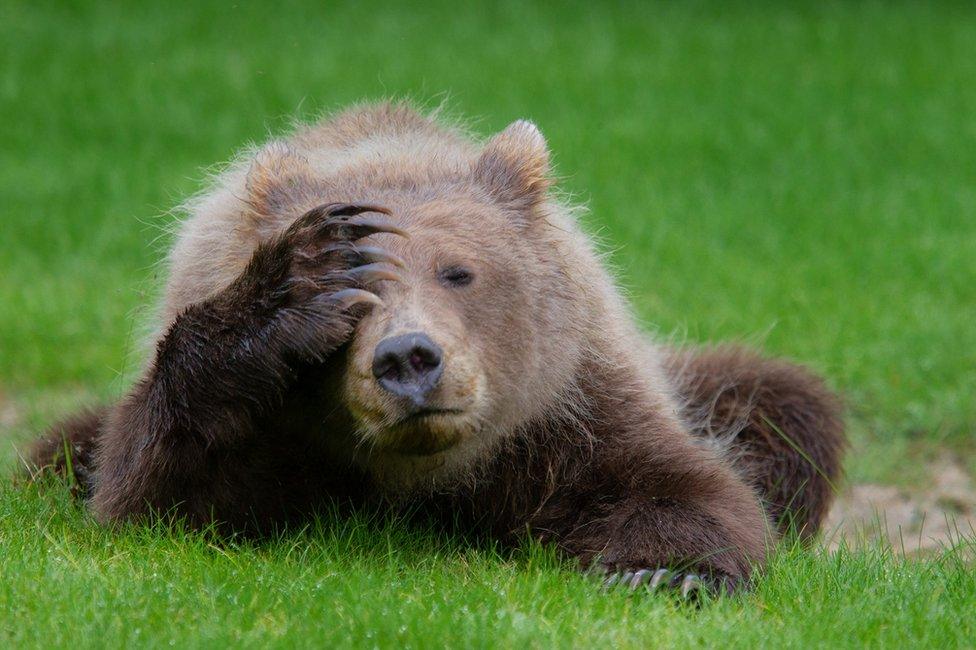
(362, 582)
(801, 176)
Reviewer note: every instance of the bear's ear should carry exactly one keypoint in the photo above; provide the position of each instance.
(514, 166)
(277, 173)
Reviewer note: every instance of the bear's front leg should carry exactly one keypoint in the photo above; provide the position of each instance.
(659, 542)
(653, 509)
(183, 440)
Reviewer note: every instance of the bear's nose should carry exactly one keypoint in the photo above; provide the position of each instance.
(408, 366)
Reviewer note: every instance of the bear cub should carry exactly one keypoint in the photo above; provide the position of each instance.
(380, 309)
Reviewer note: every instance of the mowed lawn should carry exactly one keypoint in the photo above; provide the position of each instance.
(800, 177)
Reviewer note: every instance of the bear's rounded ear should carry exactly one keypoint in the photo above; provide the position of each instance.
(276, 172)
(514, 166)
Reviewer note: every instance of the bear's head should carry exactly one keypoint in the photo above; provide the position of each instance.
(476, 338)
(484, 332)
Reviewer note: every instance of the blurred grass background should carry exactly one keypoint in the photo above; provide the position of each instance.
(801, 176)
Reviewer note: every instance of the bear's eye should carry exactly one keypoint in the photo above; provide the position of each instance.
(455, 276)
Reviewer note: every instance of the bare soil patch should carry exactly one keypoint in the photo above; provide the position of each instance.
(914, 522)
(9, 413)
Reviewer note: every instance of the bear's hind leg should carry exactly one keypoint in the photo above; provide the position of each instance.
(68, 447)
(779, 424)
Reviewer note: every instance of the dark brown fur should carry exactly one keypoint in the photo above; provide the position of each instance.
(782, 427)
(70, 444)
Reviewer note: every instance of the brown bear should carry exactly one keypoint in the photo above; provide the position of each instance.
(380, 309)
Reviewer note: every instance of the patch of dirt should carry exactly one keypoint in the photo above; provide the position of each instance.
(9, 414)
(914, 522)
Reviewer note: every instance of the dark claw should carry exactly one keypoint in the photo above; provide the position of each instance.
(319, 213)
(660, 577)
(690, 586)
(373, 273)
(346, 221)
(349, 297)
(351, 228)
(625, 579)
(640, 577)
(611, 581)
(356, 255)
(349, 209)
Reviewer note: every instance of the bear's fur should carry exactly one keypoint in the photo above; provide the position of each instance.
(554, 414)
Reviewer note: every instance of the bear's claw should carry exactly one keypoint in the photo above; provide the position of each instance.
(342, 222)
(687, 585)
(350, 222)
(359, 227)
(323, 245)
(348, 209)
(374, 272)
(356, 255)
(348, 297)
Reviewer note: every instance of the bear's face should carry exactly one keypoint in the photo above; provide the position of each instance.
(461, 351)
(428, 369)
